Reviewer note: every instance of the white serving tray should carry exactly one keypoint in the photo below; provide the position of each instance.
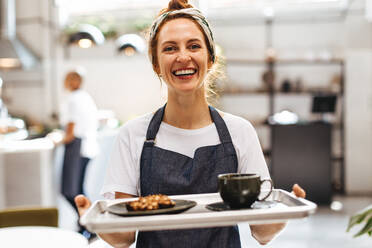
(286, 207)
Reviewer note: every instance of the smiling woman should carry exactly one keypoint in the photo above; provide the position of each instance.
(183, 146)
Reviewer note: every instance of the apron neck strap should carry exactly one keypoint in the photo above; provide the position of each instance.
(156, 120)
(154, 125)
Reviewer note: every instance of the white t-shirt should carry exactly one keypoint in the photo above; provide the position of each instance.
(82, 111)
(123, 171)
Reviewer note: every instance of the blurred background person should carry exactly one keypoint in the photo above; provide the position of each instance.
(80, 140)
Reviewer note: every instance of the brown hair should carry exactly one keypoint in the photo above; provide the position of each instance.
(214, 73)
(175, 5)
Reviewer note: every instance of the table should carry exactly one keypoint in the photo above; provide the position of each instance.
(40, 237)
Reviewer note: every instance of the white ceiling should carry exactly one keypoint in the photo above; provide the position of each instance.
(223, 11)
(78, 7)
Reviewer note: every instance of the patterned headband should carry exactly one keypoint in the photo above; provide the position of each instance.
(197, 16)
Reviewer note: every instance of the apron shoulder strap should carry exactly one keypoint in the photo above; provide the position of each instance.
(154, 126)
(222, 130)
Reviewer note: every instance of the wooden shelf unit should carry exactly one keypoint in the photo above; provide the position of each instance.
(271, 66)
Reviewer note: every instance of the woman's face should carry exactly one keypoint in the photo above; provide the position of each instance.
(182, 56)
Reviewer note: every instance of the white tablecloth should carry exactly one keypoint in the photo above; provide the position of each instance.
(40, 237)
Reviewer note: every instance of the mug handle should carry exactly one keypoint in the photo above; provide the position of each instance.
(271, 188)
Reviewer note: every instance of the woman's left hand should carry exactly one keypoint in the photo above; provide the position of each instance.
(298, 191)
(264, 233)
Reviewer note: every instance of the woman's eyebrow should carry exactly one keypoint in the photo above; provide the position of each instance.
(168, 42)
(174, 42)
(193, 40)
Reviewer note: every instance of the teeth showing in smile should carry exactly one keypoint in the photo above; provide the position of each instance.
(184, 72)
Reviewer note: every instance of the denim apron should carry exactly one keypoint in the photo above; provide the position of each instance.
(171, 173)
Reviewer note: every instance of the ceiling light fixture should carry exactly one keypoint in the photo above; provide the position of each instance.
(86, 36)
(130, 44)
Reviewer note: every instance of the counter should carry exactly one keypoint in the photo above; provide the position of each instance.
(30, 170)
(26, 173)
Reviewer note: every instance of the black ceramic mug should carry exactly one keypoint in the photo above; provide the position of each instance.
(241, 190)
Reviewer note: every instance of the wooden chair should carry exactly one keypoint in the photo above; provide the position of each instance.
(41, 216)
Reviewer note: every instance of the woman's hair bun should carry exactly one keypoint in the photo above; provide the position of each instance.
(178, 4)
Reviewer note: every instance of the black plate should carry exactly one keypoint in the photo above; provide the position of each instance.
(121, 209)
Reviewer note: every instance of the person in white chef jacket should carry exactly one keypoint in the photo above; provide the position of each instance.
(81, 123)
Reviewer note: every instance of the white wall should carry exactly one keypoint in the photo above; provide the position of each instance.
(358, 104)
(126, 85)
(358, 121)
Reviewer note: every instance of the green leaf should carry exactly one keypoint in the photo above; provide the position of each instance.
(366, 229)
(358, 218)
(353, 221)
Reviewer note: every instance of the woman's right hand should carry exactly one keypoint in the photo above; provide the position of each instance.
(82, 203)
(114, 239)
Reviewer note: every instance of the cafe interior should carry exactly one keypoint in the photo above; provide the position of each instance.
(298, 70)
